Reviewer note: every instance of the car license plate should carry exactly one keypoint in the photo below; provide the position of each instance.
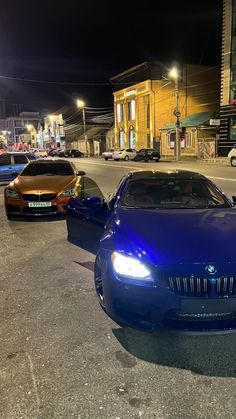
(39, 204)
(192, 306)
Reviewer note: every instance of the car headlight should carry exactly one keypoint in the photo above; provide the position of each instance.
(10, 193)
(129, 266)
(68, 192)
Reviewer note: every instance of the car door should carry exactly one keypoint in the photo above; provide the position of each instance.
(20, 161)
(86, 216)
(6, 168)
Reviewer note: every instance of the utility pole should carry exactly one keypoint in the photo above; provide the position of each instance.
(173, 74)
(85, 135)
(177, 124)
(81, 105)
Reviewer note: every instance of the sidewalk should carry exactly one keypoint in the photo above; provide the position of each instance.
(214, 160)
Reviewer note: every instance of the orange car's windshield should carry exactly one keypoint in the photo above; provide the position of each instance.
(48, 169)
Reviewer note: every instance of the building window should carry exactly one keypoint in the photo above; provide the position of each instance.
(119, 112)
(131, 110)
(148, 115)
(188, 140)
(121, 139)
(232, 133)
(171, 140)
(148, 140)
(132, 137)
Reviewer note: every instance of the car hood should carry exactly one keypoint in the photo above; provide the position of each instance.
(56, 184)
(170, 237)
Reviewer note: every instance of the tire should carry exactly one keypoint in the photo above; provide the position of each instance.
(106, 158)
(157, 160)
(126, 158)
(233, 161)
(98, 284)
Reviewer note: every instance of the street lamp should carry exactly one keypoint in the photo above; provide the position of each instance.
(173, 74)
(81, 105)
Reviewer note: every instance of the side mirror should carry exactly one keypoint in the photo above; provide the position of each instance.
(93, 202)
(81, 173)
(234, 199)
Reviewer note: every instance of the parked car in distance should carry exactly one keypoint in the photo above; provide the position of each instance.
(147, 154)
(70, 153)
(43, 188)
(108, 154)
(75, 153)
(124, 154)
(39, 152)
(54, 152)
(232, 157)
(12, 163)
(165, 251)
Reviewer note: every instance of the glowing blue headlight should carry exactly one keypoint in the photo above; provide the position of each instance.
(129, 266)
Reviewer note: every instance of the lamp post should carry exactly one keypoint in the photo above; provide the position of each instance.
(173, 74)
(81, 105)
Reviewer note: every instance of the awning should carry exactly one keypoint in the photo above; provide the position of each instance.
(194, 120)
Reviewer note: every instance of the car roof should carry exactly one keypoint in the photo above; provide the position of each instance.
(17, 153)
(55, 161)
(163, 174)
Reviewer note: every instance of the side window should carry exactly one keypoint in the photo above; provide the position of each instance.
(21, 159)
(89, 188)
(5, 160)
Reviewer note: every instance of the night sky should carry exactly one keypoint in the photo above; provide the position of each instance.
(87, 42)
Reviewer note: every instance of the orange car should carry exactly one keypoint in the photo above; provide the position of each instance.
(43, 188)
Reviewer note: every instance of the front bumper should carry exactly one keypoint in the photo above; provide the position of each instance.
(19, 207)
(153, 306)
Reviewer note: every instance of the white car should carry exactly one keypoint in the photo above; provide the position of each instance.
(232, 157)
(124, 154)
(39, 152)
(108, 154)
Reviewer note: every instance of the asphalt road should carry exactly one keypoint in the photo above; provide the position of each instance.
(62, 357)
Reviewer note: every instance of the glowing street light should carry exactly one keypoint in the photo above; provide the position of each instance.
(81, 105)
(174, 75)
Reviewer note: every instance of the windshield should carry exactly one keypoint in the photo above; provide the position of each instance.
(172, 193)
(48, 169)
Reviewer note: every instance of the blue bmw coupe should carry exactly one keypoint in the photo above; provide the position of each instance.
(165, 250)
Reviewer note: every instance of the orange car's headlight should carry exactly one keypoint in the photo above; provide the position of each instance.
(10, 193)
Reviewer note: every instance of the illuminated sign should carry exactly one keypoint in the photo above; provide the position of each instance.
(130, 92)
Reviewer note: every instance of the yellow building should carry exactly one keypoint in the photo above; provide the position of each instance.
(142, 109)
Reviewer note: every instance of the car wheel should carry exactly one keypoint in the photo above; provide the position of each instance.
(233, 161)
(157, 160)
(106, 158)
(126, 158)
(99, 284)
